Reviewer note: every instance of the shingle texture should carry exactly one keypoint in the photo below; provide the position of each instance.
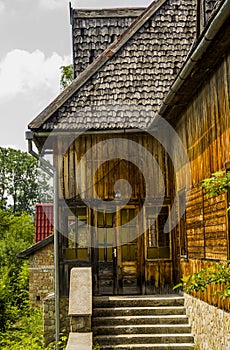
(210, 6)
(94, 30)
(137, 77)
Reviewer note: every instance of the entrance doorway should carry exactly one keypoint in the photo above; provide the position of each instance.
(116, 256)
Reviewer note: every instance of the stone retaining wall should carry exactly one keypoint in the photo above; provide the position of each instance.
(210, 325)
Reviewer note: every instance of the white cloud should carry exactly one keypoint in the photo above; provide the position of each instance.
(23, 72)
(109, 3)
(54, 4)
(61, 4)
(2, 7)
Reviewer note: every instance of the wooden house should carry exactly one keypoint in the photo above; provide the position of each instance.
(132, 72)
(114, 98)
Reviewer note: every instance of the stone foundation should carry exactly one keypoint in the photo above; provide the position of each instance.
(210, 325)
(49, 318)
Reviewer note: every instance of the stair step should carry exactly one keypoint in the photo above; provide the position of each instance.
(130, 320)
(141, 323)
(141, 301)
(134, 311)
(142, 329)
(169, 346)
(143, 339)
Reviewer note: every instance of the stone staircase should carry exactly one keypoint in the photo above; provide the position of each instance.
(141, 323)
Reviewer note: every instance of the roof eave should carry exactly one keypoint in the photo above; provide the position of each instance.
(178, 97)
(35, 247)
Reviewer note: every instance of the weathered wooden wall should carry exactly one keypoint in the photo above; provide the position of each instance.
(206, 225)
(101, 174)
(204, 129)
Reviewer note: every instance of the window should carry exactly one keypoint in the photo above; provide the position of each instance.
(78, 235)
(158, 241)
(105, 236)
(128, 235)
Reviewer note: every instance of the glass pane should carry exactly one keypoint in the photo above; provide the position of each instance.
(164, 253)
(109, 254)
(101, 254)
(123, 216)
(83, 237)
(124, 251)
(132, 233)
(152, 253)
(110, 237)
(162, 218)
(131, 214)
(133, 252)
(152, 233)
(100, 219)
(101, 235)
(70, 254)
(129, 252)
(124, 232)
(109, 219)
(82, 253)
(81, 214)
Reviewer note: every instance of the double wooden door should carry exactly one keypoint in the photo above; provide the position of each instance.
(117, 253)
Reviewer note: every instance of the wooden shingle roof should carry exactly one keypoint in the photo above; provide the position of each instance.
(131, 77)
(94, 30)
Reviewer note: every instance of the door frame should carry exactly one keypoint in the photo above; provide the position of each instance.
(120, 268)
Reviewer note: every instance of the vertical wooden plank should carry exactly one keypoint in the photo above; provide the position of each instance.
(71, 170)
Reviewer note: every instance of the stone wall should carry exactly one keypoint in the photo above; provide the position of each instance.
(49, 318)
(210, 325)
(41, 274)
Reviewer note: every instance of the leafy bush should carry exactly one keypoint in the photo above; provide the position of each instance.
(16, 234)
(26, 334)
(218, 274)
(218, 183)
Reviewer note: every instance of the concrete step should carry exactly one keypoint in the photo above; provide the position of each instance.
(182, 346)
(143, 339)
(141, 323)
(145, 320)
(135, 311)
(142, 329)
(140, 301)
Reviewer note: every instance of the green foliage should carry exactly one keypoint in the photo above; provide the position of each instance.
(218, 274)
(16, 234)
(218, 183)
(66, 76)
(26, 334)
(22, 184)
(96, 347)
(62, 343)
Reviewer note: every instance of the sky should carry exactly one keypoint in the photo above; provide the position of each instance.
(35, 37)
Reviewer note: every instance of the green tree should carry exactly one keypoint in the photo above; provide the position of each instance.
(3, 176)
(16, 234)
(22, 183)
(67, 76)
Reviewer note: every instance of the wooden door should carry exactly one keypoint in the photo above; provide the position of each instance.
(129, 248)
(116, 265)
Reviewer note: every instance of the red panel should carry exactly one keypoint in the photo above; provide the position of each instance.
(43, 221)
